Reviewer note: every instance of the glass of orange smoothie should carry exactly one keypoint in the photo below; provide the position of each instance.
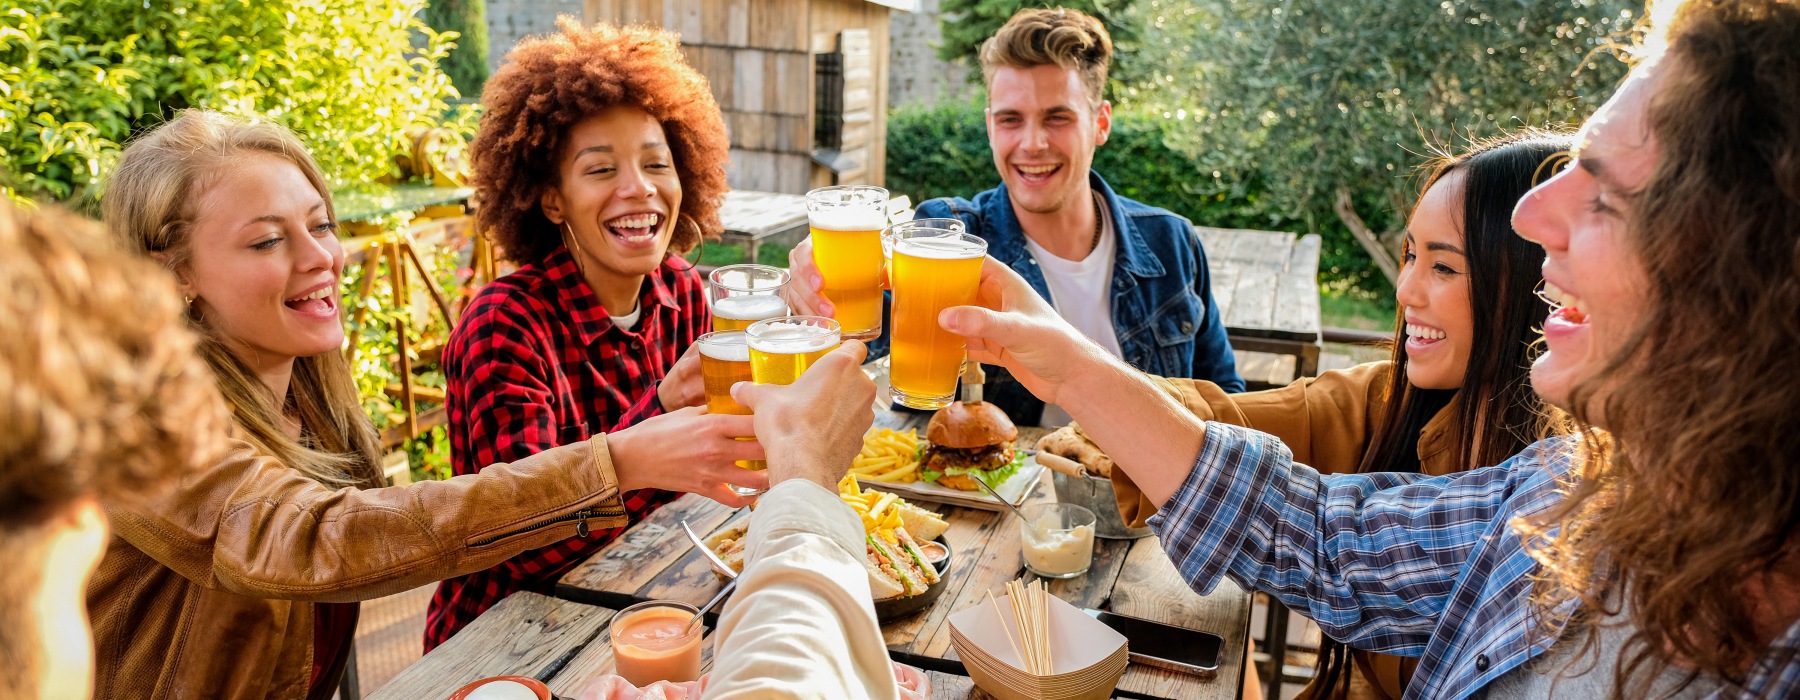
(649, 643)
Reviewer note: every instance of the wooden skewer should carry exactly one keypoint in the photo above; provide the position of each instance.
(1009, 636)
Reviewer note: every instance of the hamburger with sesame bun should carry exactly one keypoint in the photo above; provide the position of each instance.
(970, 440)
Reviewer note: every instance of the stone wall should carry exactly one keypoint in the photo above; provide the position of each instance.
(916, 76)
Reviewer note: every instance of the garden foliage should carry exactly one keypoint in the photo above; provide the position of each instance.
(77, 79)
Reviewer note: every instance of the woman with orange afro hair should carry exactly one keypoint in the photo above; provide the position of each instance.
(600, 158)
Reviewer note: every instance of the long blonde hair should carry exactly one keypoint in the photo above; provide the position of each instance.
(149, 204)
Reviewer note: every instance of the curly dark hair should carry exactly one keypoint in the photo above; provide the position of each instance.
(549, 84)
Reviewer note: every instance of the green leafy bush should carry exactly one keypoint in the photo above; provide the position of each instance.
(467, 62)
(78, 78)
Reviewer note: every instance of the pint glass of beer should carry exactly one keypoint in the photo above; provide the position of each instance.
(846, 239)
(932, 269)
(782, 348)
(724, 361)
(744, 294)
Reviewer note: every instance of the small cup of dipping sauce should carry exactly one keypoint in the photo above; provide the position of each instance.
(649, 644)
(1058, 539)
(503, 688)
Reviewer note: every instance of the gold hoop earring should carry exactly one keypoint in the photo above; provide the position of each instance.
(188, 299)
(574, 247)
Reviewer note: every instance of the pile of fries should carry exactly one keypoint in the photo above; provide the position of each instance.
(888, 456)
(878, 518)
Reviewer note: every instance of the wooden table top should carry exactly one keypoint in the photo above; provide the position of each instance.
(562, 643)
(1266, 283)
(760, 214)
(654, 560)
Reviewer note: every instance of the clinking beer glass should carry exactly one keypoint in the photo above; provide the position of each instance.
(782, 348)
(740, 295)
(931, 269)
(846, 239)
(724, 361)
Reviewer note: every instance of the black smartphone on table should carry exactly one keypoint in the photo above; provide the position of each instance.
(1165, 646)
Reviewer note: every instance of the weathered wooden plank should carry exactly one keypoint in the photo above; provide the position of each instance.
(652, 545)
(1297, 293)
(526, 634)
(737, 22)
(793, 172)
(747, 88)
(684, 18)
(1149, 587)
(600, 11)
(792, 84)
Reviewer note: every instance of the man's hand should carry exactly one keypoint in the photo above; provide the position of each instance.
(1016, 329)
(813, 428)
(682, 386)
(804, 291)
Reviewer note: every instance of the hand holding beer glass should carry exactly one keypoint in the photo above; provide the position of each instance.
(846, 243)
(931, 269)
(740, 295)
(724, 361)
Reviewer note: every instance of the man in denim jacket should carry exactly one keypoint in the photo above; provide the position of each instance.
(1129, 276)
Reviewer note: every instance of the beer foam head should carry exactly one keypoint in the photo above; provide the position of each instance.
(940, 247)
(726, 347)
(749, 307)
(859, 218)
(784, 338)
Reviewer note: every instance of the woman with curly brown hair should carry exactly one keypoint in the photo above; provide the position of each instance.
(600, 159)
(1656, 559)
(243, 581)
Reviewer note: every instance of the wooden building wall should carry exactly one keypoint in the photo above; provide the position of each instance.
(869, 94)
(757, 55)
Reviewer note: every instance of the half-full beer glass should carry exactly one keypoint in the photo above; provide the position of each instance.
(932, 269)
(744, 294)
(846, 239)
(724, 361)
(782, 348)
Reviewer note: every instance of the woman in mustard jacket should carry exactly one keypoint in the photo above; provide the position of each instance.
(1456, 393)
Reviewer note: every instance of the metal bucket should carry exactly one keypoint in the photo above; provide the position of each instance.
(1096, 494)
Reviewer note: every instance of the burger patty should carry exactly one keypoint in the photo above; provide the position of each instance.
(989, 457)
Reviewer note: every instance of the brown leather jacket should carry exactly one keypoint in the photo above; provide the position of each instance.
(1328, 422)
(208, 591)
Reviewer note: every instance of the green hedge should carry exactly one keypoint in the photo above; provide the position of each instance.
(77, 79)
(942, 150)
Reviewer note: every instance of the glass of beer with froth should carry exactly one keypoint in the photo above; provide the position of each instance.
(744, 294)
(724, 361)
(846, 238)
(782, 348)
(931, 269)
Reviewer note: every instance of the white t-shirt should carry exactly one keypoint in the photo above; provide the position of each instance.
(1081, 291)
(629, 321)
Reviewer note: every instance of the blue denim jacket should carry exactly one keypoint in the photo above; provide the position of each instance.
(1162, 305)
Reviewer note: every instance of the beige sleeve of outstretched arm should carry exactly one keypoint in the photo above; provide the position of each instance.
(801, 624)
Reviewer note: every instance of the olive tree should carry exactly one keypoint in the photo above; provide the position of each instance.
(1331, 104)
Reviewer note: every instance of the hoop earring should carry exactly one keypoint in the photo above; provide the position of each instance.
(188, 299)
(574, 245)
(699, 252)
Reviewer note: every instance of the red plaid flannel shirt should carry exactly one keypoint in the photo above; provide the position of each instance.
(535, 363)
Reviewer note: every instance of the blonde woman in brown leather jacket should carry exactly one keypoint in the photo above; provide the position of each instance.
(1454, 396)
(242, 582)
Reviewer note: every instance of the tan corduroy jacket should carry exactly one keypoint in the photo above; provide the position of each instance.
(208, 591)
(1328, 422)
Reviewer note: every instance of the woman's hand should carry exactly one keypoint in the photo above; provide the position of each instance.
(682, 386)
(688, 450)
(813, 428)
(1020, 331)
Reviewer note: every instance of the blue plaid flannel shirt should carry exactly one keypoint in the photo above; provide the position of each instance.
(1396, 563)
